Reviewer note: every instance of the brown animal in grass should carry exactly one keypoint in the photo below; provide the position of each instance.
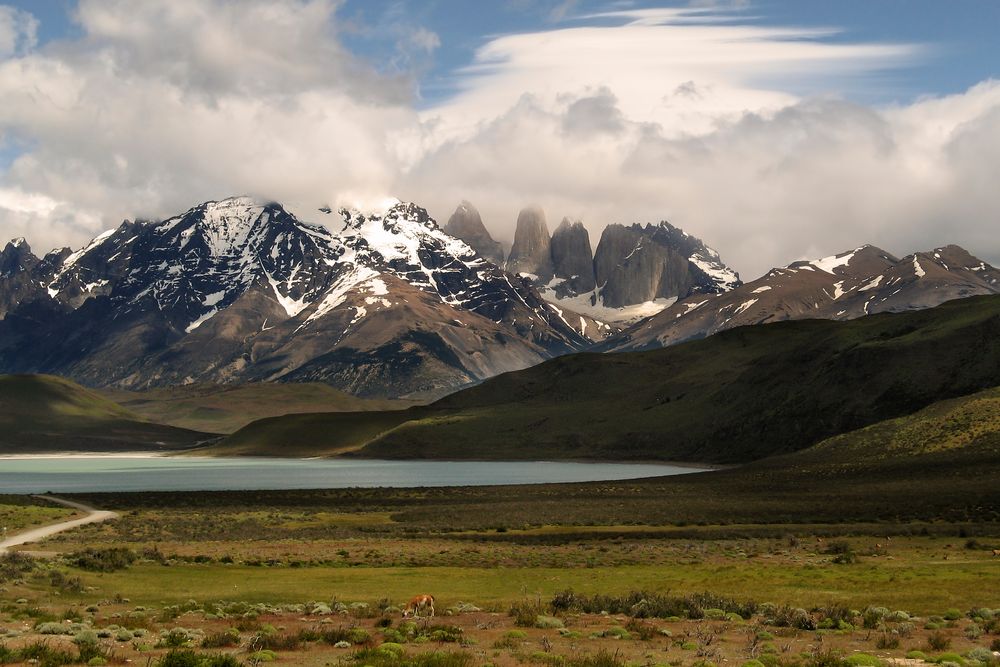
(418, 604)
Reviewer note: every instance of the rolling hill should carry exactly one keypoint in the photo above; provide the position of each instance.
(741, 395)
(226, 408)
(43, 413)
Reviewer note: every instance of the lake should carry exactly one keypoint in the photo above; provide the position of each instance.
(118, 473)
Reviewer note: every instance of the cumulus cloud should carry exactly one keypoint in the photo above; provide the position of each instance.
(630, 116)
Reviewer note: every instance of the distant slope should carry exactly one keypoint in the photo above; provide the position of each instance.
(738, 396)
(43, 413)
(227, 408)
(968, 426)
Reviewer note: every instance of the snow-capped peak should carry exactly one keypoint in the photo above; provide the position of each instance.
(828, 264)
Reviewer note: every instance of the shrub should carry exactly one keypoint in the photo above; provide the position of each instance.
(863, 660)
(189, 658)
(872, 616)
(526, 612)
(973, 631)
(270, 641)
(442, 633)
(644, 631)
(599, 659)
(643, 604)
(310, 635)
(938, 641)
(226, 639)
(548, 623)
(952, 615)
(887, 641)
(981, 655)
(838, 547)
(102, 560)
(353, 636)
(44, 654)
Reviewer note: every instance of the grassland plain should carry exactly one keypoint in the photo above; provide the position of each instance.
(794, 600)
(784, 387)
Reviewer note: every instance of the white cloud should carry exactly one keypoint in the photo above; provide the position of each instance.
(635, 116)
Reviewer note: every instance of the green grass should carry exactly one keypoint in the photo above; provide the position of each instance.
(926, 587)
(738, 396)
(225, 409)
(15, 517)
(43, 413)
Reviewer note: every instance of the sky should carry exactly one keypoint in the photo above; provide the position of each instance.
(775, 130)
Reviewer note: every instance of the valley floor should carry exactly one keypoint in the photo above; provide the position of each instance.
(297, 572)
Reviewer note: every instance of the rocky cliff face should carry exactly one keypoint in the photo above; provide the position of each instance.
(466, 224)
(383, 304)
(639, 264)
(572, 259)
(18, 275)
(531, 254)
(840, 287)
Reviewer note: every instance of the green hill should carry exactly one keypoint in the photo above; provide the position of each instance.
(738, 396)
(887, 473)
(43, 413)
(226, 408)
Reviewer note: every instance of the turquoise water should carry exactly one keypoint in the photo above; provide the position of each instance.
(107, 473)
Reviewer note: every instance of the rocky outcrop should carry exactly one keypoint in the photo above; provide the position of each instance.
(531, 254)
(572, 258)
(17, 275)
(466, 224)
(639, 264)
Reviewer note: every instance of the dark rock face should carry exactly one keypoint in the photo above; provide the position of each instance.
(845, 286)
(238, 290)
(637, 264)
(531, 252)
(572, 258)
(18, 281)
(466, 224)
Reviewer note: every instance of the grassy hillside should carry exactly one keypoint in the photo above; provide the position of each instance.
(42, 413)
(227, 408)
(738, 396)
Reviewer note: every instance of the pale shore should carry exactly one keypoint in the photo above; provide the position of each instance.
(82, 455)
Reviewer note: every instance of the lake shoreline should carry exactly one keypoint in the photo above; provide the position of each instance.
(157, 473)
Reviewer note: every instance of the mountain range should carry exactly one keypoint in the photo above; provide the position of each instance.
(389, 304)
(236, 291)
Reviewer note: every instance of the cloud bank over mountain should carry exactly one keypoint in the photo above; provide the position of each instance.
(741, 133)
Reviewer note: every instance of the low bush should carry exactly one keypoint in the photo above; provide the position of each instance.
(938, 641)
(643, 604)
(526, 612)
(226, 639)
(111, 559)
(189, 658)
(599, 659)
(353, 636)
